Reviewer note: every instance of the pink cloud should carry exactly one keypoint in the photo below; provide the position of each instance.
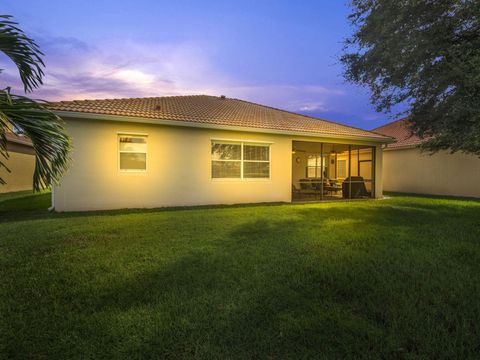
(76, 70)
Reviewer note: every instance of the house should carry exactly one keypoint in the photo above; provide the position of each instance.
(406, 169)
(20, 164)
(197, 150)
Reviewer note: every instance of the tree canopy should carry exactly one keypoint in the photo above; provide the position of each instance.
(425, 55)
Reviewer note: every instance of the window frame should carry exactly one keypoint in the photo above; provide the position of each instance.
(319, 168)
(242, 161)
(133, 135)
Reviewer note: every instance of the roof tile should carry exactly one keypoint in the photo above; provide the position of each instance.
(212, 110)
(400, 132)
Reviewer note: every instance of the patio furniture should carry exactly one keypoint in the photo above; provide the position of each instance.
(306, 188)
(305, 184)
(314, 184)
(333, 188)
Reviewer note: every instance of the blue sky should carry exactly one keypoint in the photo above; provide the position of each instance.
(279, 53)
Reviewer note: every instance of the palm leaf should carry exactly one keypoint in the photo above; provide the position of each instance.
(45, 129)
(23, 51)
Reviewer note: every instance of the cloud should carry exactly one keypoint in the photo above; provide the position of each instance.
(61, 44)
(297, 98)
(77, 70)
(312, 107)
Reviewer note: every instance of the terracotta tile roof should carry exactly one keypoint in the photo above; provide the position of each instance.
(19, 139)
(400, 132)
(215, 110)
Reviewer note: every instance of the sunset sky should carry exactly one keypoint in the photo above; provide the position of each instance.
(279, 53)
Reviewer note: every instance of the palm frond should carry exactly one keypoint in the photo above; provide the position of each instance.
(23, 51)
(3, 151)
(45, 129)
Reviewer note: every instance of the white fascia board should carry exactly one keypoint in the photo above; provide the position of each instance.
(403, 147)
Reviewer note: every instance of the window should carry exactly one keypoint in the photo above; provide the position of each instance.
(315, 163)
(226, 160)
(342, 168)
(17, 130)
(256, 161)
(132, 153)
(238, 160)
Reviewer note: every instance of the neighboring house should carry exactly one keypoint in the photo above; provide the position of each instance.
(20, 162)
(196, 150)
(406, 169)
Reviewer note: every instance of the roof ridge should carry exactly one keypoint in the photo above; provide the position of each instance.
(390, 123)
(132, 98)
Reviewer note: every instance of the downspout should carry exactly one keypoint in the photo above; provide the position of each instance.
(52, 197)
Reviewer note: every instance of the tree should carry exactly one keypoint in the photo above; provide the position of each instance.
(45, 129)
(424, 55)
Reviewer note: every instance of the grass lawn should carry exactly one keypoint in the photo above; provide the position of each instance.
(394, 278)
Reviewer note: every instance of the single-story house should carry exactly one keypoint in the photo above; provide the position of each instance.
(20, 164)
(197, 150)
(407, 169)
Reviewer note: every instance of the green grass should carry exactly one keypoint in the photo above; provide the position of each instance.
(395, 278)
(14, 195)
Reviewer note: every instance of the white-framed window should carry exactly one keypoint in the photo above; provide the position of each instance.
(315, 165)
(132, 153)
(240, 160)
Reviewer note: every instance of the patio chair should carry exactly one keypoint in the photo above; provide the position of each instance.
(305, 184)
(317, 184)
(306, 187)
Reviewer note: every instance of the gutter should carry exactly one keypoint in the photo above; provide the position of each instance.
(404, 147)
(401, 147)
(135, 119)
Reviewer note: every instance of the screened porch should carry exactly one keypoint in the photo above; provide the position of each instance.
(328, 171)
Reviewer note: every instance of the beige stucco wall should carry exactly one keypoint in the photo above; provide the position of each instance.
(409, 170)
(178, 169)
(21, 163)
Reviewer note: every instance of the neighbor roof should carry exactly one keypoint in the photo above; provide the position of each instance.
(221, 111)
(19, 139)
(400, 132)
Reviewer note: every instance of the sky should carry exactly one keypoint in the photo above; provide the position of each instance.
(278, 53)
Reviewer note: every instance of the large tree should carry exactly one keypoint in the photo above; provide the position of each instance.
(424, 55)
(45, 129)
